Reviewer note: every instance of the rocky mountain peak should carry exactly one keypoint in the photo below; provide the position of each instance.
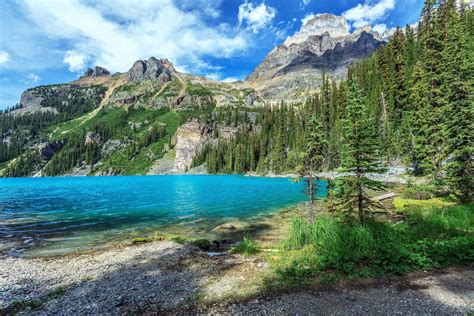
(335, 26)
(323, 44)
(151, 69)
(97, 71)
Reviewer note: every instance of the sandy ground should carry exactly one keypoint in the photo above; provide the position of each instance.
(164, 277)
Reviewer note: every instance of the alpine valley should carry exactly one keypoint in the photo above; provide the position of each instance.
(153, 119)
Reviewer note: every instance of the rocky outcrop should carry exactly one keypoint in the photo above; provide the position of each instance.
(97, 71)
(93, 139)
(48, 149)
(190, 138)
(339, 57)
(152, 69)
(31, 102)
(54, 98)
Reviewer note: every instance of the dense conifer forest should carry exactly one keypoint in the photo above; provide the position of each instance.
(415, 98)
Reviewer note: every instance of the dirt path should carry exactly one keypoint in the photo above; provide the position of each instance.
(182, 92)
(448, 292)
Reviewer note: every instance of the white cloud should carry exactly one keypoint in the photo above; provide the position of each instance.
(305, 2)
(231, 79)
(368, 13)
(209, 8)
(380, 28)
(213, 76)
(114, 34)
(4, 57)
(75, 60)
(33, 77)
(256, 16)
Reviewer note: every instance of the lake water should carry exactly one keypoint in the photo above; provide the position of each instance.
(64, 214)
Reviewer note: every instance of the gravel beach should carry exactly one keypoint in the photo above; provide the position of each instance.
(165, 277)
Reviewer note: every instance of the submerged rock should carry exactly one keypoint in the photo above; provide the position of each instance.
(232, 226)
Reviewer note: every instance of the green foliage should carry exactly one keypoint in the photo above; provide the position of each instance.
(247, 247)
(198, 89)
(429, 238)
(203, 244)
(458, 110)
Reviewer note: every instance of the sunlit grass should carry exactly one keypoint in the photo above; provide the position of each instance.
(428, 238)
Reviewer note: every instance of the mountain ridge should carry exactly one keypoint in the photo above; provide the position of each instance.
(131, 122)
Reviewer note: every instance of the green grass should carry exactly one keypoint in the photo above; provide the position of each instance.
(22, 306)
(329, 249)
(198, 89)
(57, 292)
(246, 247)
(18, 306)
(401, 203)
(141, 240)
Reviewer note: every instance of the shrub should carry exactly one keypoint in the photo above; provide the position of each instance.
(202, 244)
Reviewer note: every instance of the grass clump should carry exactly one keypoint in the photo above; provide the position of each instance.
(141, 240)
(401, 203)
(246, 247)
(57, 292)
(18, 306)
(429, 238)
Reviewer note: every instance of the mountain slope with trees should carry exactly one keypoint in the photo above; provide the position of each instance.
(416, 92)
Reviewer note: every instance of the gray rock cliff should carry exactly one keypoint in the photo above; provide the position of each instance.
(152, 69)
(323, 43)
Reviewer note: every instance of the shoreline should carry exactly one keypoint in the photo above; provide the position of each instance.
(389, 177)
(170, 278)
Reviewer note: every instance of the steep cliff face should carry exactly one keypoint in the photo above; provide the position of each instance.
(190, 138)
(323, 43)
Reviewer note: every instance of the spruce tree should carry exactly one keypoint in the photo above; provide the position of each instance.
(312, 159)
(359, 157)
(457, 90)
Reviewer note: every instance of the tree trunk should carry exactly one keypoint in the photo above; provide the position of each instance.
(311, 199)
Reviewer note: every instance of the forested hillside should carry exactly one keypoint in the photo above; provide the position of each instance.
(417, 92)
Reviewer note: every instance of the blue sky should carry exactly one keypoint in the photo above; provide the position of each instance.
(53, 41)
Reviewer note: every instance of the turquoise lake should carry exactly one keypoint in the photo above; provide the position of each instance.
(65, 214)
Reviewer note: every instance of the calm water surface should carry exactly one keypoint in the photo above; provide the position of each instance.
(64, 214)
